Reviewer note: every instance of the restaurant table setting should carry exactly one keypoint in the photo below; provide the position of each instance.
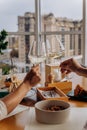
(76, 121)
(17, 110)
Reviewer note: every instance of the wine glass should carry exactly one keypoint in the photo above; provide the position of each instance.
(37, 53)
(55, 58)
(53, 54)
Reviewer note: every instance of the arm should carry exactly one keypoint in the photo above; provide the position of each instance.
(14, 98)
(82, 72)
(71, 65)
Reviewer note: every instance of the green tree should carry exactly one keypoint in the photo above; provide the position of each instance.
(3, 42)
(5, 69)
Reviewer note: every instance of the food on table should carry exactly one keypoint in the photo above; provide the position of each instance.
(8, 82)
(12, 83)
(79, 91)
(49, 93)
(55, 108)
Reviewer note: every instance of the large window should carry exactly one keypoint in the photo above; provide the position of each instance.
(62, 18)
(56, 21)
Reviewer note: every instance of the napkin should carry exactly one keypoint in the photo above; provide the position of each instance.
(17, 110)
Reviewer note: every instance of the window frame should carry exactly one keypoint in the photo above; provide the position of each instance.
(38, 33)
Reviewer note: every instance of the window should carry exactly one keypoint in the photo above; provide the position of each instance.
(79, 42)
(57, 18)
(63, 37)
(71, 40)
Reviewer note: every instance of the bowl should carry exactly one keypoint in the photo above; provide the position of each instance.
(52, 111)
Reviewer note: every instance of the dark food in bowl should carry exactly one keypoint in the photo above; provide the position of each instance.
(54, 116)
(55, 108)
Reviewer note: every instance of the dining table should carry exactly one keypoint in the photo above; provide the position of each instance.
(25, 119)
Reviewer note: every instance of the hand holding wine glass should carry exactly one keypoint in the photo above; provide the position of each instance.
(37, 55)
(68, 66)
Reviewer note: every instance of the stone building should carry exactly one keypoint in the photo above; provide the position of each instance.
(26, 23)
(71, 43)
(49, 23)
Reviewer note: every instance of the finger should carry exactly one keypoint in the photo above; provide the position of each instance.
(63, 70)
(68, 71)
(39, 75)
(65, 63)
(36, 68)
(35, 80)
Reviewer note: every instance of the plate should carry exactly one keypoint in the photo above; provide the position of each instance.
(73, 97)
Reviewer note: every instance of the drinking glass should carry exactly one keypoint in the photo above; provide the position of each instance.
(37, 53)
(53, 54)
(55, 57)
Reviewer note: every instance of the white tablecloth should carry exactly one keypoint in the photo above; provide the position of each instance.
(17, 110)
(76, 121)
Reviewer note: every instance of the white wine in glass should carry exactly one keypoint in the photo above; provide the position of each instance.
(36, 59)
(52, 52)
(37, 53)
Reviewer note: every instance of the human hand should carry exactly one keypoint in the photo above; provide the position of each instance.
(70, 65)
(33, 77)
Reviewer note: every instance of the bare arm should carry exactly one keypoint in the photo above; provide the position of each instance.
(82, 72)
(14, 98)
(71, 65)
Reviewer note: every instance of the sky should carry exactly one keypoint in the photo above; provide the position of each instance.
(11, 9)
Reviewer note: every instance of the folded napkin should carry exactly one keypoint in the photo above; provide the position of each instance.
(18, 109)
